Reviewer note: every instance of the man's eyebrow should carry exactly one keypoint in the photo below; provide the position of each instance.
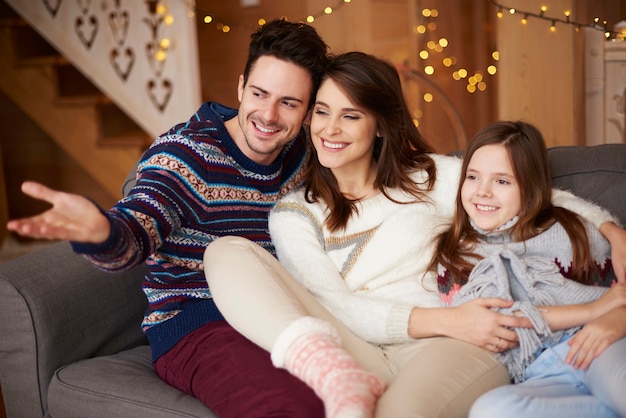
(289, 98)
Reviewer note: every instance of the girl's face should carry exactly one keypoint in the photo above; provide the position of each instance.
(343, 134)
(490, 193)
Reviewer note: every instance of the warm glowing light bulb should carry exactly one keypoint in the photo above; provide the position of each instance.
(426, 12)
(428, 97)
(168, 20)
(512, 11)
(443, 42)
(208, 19)
(424, 54)
(310, 19)
(165, 43)
(492, 69)
(160, 55)
(226, 29)
(328, 10)
(261, 22)
(429, 69)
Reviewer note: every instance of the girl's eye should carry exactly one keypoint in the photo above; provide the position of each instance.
(320, 112)
(352, 117)
(470, 177)
(503, 182)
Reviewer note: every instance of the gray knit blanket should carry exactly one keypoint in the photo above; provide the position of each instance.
(529, 281)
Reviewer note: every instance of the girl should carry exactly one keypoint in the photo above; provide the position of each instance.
(351, 307)
(508, 240)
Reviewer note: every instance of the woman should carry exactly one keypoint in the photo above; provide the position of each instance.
(358, 239)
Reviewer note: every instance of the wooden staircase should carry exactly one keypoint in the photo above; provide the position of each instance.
(66, 105)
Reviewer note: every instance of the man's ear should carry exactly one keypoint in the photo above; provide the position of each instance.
(307, 117)
(240, 87)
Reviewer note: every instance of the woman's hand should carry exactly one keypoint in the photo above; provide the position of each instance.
(617, 238)
(474, 322)
(72, 217)
(484, 327)
(595, 337)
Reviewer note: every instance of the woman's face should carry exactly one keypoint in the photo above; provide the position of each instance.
(490, 193)
(343, 133)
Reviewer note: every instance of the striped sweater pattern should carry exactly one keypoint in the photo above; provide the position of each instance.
(193, 186)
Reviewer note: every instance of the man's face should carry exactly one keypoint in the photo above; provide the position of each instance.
(273, 105)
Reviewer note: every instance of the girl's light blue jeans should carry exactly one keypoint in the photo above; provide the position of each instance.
(555, 389)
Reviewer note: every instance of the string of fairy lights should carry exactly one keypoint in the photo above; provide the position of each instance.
(222, 25)
(433, 53)
(597, 24)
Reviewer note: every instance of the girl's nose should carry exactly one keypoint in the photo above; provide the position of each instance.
(484, 190)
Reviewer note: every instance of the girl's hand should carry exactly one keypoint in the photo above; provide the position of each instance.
(595, 337)
(72, 217)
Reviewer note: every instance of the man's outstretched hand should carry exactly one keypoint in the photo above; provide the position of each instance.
(72, 217)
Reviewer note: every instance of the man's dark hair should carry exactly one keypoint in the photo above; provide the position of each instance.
(298, 43)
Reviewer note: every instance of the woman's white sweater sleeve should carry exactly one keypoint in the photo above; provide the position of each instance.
(300, 247)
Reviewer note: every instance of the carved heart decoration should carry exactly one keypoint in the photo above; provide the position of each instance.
(157, 66)
(160, 93)
(86, 30)
(119, 21)
(52, 6)
(122, 63)
(84, 6)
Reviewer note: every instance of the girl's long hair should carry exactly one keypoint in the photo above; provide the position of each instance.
(373, 84)
(528, 156)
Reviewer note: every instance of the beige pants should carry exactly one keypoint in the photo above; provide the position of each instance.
(430, 377)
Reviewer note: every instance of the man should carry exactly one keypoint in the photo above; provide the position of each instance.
(217, 174)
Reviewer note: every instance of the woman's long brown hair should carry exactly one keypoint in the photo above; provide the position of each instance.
(373, 84)
(529, 158)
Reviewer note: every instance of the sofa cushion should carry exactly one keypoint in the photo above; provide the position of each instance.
(119, 385)
(596, 173)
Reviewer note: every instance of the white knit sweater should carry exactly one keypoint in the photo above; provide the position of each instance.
(373, 273)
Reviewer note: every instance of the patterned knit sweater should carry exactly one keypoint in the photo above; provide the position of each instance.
(372, 274)
(531, 273)
(193, 186)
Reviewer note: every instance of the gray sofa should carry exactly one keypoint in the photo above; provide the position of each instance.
(70, 341)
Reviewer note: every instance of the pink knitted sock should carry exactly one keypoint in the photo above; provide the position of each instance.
(346, 389)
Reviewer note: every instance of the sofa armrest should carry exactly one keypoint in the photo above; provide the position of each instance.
(56, 308)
